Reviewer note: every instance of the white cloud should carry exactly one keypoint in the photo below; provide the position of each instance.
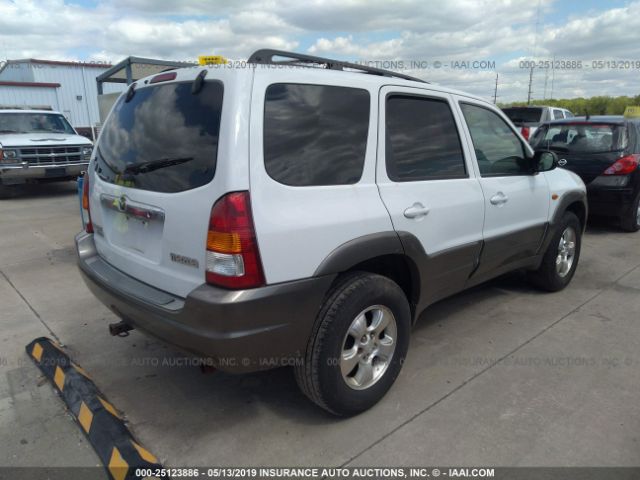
(499, 30)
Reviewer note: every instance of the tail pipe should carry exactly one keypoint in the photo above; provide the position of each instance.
(120, 329)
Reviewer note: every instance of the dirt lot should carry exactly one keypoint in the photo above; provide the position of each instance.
(499, 375)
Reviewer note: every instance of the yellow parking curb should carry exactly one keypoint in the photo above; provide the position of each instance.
(100, 421)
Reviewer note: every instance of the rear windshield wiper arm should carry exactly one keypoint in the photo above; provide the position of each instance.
(156, 165)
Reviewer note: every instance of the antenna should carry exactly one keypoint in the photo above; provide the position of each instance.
(495, 92)
(530, 82)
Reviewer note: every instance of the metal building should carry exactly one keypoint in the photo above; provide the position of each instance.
(68, 87)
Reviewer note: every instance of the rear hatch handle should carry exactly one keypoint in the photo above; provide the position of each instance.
(124, 205)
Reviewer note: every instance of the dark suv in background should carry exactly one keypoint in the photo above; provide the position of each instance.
(605, 152)
(529, 118)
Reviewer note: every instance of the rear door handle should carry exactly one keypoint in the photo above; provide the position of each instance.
(499, 199)
(417, 210)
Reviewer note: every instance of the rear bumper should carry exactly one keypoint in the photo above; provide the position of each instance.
(241, 330)
(610, 202)
(20, 173)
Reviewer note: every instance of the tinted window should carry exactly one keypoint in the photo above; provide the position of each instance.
(523, 114)
(164, 139)
(557, 115)
(581, 137)
(315, 134)
(498, 149)
(422, 140)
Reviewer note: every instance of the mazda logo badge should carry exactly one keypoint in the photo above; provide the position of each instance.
(562, 162)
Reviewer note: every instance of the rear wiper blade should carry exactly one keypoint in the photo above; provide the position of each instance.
(546, 146)
(156, 165)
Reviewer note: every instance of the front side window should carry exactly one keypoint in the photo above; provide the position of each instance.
(498, 149)
(422, 140)
(557, 115)
(315, 134)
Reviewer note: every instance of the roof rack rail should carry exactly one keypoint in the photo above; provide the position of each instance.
(266, 57)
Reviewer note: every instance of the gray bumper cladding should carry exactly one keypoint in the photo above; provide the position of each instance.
(102, 424)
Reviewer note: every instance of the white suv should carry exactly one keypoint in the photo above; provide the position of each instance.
(288, 214)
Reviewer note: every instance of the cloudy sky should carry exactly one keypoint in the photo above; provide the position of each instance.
(411, 34)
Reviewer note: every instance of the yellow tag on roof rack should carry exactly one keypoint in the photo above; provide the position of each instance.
(211, 60)
(632, 112)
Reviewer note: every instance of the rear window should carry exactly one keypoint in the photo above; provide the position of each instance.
(523, 115)
(581, 137)
(315, 134)
(164, 139)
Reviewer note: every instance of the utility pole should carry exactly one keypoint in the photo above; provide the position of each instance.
(495, 92)
(553, 75)
(530, 83)
(546, 79)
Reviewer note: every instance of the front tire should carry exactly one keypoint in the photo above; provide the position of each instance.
(561, 258)
(357, 346)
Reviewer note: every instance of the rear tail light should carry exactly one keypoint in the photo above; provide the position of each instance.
(85, 204)
(233, 258)
(624, 165)
(525, 132)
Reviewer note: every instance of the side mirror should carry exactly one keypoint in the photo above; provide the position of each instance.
(544, 160)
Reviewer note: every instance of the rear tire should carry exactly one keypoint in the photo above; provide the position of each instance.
(6, 191)
(358, 344)
(631, 221)
(561, 258)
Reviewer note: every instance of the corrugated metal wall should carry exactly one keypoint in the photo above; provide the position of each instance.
(28, 96)
(77, 94)
(17, 72)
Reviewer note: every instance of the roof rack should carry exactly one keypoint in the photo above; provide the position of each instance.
(266, 57)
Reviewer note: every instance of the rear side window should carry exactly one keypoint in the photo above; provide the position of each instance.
(557, 115)
(315, 134)
(422, 140)
(163, 139)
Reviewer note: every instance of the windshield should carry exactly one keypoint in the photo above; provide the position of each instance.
(30, 122)
(581, 137)
(523, 115)
(165, 138)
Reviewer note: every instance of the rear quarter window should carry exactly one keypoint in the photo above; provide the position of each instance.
(315, 134)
